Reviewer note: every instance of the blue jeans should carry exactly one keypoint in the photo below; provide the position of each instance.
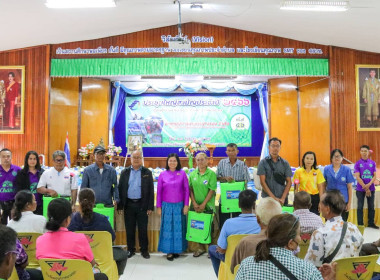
(216, 257)
(371, 207)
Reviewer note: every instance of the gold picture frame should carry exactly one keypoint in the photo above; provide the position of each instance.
(367, 97)
(12, 96)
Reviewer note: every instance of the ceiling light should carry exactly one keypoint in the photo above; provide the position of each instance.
(68, 4)
(196, 6)
(323, 6)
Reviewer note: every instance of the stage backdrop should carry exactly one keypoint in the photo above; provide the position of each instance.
(167, 121)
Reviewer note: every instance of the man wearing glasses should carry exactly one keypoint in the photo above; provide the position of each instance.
(275, 173)
(58, 180)
(136, 191)
(102, 179)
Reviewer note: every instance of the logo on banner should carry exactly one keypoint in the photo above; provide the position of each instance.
(360, 268)
(134, 105)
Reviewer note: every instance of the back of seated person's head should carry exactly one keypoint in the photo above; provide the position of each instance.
(7, 251)
(281, 230)
(302, 200)
(266, 209)
(334, 200)
(23, 199)
(247, 199)
(86, 202)
(59, 210)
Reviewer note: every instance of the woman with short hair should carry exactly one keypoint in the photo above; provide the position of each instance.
(172, 206)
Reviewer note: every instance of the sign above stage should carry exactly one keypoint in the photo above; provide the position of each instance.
(203, 41)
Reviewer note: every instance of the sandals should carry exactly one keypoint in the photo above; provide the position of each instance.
(198, 253)
(170, 257)
(176, 256)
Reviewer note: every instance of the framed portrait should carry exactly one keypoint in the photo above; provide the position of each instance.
(12, 95)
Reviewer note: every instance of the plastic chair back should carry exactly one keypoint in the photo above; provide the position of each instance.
(224, 268)
(304, 245)
(360, 268)
(101, 246)
(28, 241)
(53, 269)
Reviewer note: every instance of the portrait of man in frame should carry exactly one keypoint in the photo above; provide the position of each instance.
(12, 95)
(368, 97)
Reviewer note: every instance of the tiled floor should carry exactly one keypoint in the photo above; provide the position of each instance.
(186, 267)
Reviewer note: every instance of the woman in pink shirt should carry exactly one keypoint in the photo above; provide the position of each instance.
(59, 242)
(172, 205)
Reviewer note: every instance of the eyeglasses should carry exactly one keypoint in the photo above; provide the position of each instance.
(137, 157)
(337, 156)
(294, 224)
(59, 160)
(11, 252)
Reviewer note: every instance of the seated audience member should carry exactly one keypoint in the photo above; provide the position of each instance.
(87, 220)
(325, 240)
(283, 236)
(370, 248)
(22, 262)
(308, 220)
(266, 209)
(27, 178)
(23, 219)
(8, 251)
(59, 242)
(245, 223)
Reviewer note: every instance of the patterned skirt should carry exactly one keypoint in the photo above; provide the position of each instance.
(173, 229)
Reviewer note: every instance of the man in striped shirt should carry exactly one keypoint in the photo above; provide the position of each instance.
(229, 170)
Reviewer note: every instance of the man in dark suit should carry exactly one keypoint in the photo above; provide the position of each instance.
(136, 192)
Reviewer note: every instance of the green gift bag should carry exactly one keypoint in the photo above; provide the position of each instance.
(199, 227)
(46, 201)
(288, 209)
(109, 212)
(229, 196)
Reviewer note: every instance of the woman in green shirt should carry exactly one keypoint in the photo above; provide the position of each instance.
(202, 183)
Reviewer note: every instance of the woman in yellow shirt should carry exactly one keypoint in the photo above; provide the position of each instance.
(310, 179)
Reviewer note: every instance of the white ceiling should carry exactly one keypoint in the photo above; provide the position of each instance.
(28, 22)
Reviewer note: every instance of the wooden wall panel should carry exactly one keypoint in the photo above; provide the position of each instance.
(314, 117)
(283, 117)
(64, 96)
(37, 69)
(223, 36)
(95, 110)
(344, 134)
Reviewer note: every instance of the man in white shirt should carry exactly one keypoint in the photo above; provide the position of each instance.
(58, 180)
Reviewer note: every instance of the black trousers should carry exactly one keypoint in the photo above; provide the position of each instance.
(134, 214)
(6, 208)
(314, 203)
(120, 256)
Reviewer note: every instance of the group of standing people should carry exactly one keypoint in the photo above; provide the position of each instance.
(275, 177)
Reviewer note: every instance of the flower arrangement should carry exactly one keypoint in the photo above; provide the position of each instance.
(90, 147)
(110, 153)
(192, 147)
(83, 152)
(118, 150)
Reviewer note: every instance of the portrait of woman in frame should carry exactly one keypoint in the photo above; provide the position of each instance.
(368, 97)
(12, 95)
